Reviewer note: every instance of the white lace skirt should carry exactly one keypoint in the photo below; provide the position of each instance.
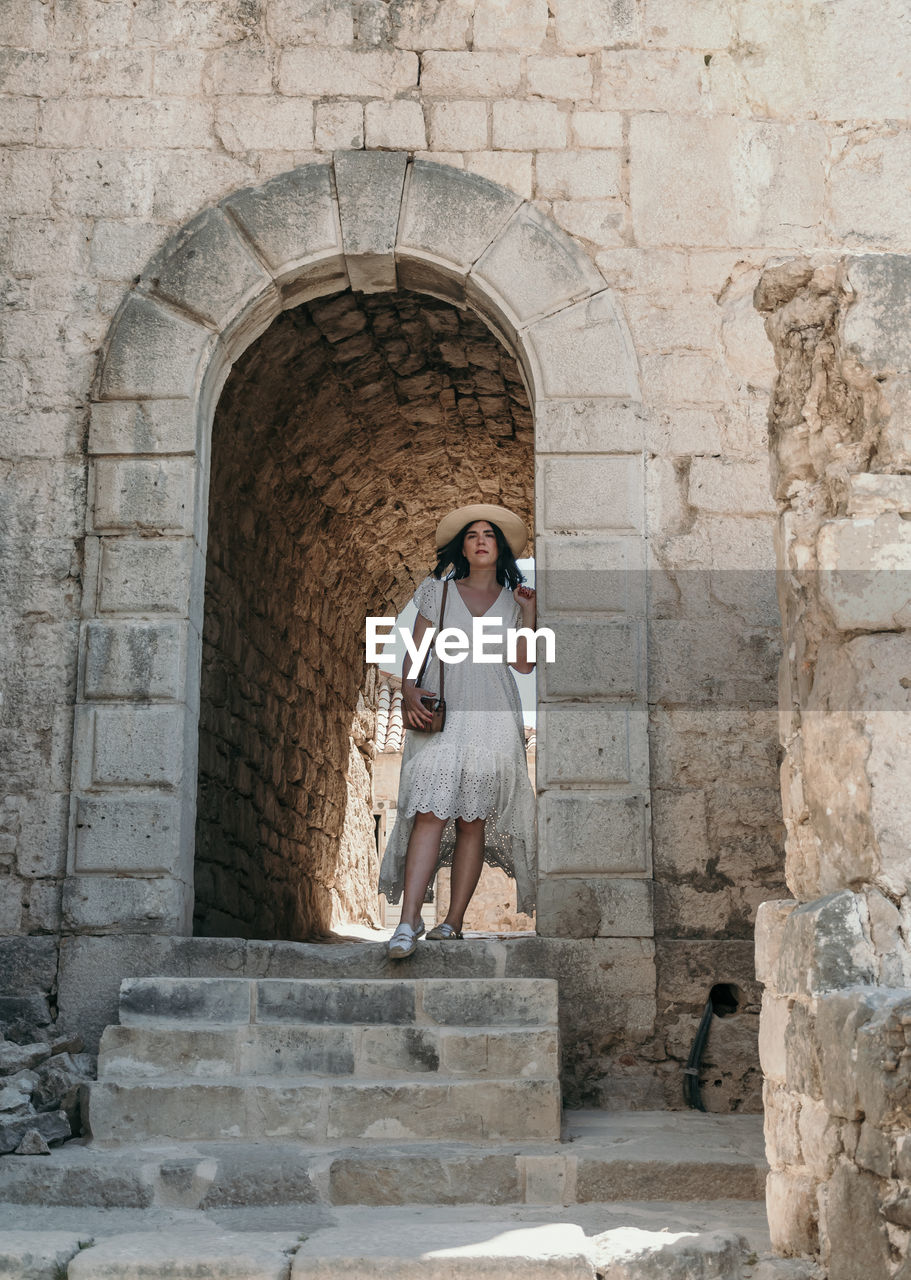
(475, 768)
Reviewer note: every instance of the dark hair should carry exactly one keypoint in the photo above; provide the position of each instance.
(508, 572)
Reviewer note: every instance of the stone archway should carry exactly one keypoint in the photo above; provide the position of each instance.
(371, 222)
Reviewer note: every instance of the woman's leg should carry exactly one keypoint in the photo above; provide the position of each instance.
(467, 862)
(420, 863)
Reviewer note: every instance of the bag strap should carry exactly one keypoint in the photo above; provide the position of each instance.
(420, 678)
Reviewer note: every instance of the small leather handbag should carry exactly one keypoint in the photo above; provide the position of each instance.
(436, 706)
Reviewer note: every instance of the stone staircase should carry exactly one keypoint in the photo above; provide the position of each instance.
(330, 1061)
(349, 1128)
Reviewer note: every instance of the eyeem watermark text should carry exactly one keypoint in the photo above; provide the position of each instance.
(454, 645)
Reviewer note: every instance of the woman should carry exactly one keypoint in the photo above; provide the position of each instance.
(464, 793)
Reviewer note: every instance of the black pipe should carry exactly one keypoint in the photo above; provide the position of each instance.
(691, 1093)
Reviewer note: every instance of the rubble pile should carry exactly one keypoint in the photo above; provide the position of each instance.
(43, 1073)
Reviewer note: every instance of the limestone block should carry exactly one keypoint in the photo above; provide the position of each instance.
(592, 494)
(154, 353)
(771, 918)
(712, 661)
(588, 26)
(510, 169)
(593, 654)
(560, 77)
(284, 1000)
(260, 123)
(686, 377)
(734, 183)
(139, 494)
(19, 126)
(509, 24)
(592, 576)
(123, 745)
(853, 1233)
(143, 426)
(597, 128)
(386, 1051)
(451, 216)
(135, 659)
(587, 834)
(39, 1255)
(601, 222)
(392, 125)
(146, 1052)
(773, 1022)
(528, 125)
(793, 1212)
(369, 197)
(600, 744)
(872, 494)
(322, 22)
(208, 269)
(238, 71)
(862, 185)
(137, 834)
(480, 75)
(111, 123)
(864, 566)
(876, 325)
(458, 126)
(676, 321)
(570, 175)
(375, 73)
(339, 126)
(520, 1002)
(292, 220)
(428, 25)
(151, 1002)
(534, 268)
(650, 80)
(591, 426)
(297, 1051)
(824, 946)
(121, 904)
(820, 1137)
(145, 575)
(781, 1110)
(584, 350)
(597, 906)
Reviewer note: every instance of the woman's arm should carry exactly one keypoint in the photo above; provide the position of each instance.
(526, 600)
(414, 713)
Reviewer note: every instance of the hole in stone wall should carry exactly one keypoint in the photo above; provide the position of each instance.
(340, 437)
(726, 999)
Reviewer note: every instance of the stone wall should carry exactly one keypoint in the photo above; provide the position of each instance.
(339, 438)
(836, 959)
(683, 147)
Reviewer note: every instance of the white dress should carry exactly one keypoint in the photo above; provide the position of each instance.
(474, 768)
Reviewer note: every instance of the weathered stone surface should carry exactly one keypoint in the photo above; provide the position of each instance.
(855, 1237)
(824, 946)
(208, 270)
(158, 1001)
(631, 1253)
(154, 353)
(32, 1144)
(607, 907)
(369, 186)
(283, 1000)
(135, 660)
(144, 575)
(793, 1212)
(876, 326)
(28, 964)
(593, 834)
(450, 215)
(53, 1126)
(518, 1002)
(584, 350)
(114, 903)
(136, 426)
(38, 1255)
(588, 743)
(251, 1255)
(139, 494)
(534, 268)
(291, 219)
(865, 579)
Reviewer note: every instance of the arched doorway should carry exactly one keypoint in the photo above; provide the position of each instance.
(374, 223)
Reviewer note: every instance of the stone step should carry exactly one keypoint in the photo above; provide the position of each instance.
(369, 1052)
(324, 1109)
(620, 1241)
(453, 1002)
(605, 1156)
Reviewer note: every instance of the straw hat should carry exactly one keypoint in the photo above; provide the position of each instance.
(513, 528)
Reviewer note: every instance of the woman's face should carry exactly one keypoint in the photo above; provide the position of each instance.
(479, 546)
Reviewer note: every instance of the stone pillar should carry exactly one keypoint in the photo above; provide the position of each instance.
(835, 1038)
(593, 775)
